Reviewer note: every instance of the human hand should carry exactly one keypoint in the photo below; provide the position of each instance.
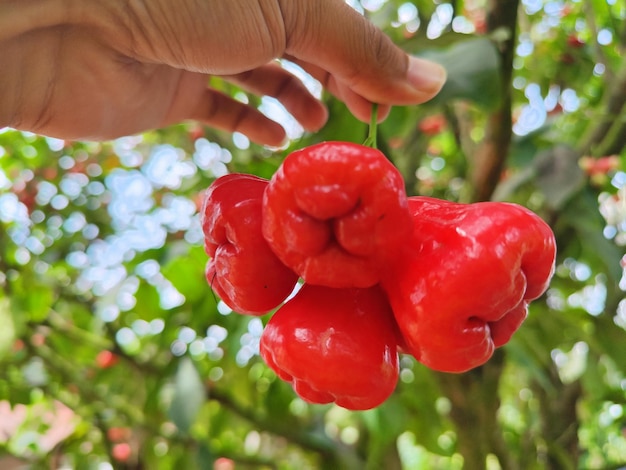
(88, 70)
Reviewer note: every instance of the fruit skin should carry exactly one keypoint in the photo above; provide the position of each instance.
(243, 270)
(466, 286)
(335, 345)
(336, 213)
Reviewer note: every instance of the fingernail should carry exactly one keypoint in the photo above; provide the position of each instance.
(426, 76)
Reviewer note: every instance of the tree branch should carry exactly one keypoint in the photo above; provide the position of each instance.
(332, 452)
(607, 134)
(490, 158)
(560, 421)
(475, 403)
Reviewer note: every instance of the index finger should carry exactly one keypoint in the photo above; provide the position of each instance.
(333, 36)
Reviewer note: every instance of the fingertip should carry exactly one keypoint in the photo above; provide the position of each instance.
(314, 117)
(426, 77)
(382, 112)
(362, 108)
(273, 135)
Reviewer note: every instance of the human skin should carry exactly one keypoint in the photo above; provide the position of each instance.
(96, 69)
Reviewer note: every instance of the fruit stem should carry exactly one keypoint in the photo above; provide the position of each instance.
(371, 140)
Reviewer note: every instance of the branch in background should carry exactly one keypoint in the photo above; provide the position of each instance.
(89, 393)
(615, 140)
(598, 52)
(560, 422)
(475, 403)
(474, 395)
(330, 451)
(607, 135)
(488, 162)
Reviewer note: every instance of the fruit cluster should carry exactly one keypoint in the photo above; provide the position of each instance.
(382, 273)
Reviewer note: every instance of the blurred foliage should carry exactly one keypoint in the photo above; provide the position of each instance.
(115, 353)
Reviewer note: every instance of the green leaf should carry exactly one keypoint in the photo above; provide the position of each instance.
(473, 68)
(558, 175)
(31, 299)
(609, 338)
(147, 307)
(582, 214)
(189, 395)
(186, 273)
(341, 126)
(7, 328)
(204, 457)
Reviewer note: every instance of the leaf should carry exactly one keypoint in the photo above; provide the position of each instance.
(147, 306)
(189, 395)
(609, 338)
(511, 185)
(7, 328)
(186, 273)
(473, 68)
(204, 457)
(582, 214)
(558, 175)
(31, 299)
(341, 126)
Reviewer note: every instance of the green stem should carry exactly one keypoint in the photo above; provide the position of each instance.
(371, 140)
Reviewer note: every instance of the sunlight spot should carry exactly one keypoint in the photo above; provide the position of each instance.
(461, 24)
(186, 335)
(373, 5)
(157, 326)
(166, 167)
(223, 309)
(605, 37)
(66, 162)
(209, 156)
(241, 141)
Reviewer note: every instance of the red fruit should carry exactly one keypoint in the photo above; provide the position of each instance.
(465, 287)
(480, 25)
(119, 434)
(243, 270)
(18, 345)
(432, 125)
(558, 109)
(106, 359)
(196, 132)
(600, 166)
(335, 345)
(574, 41)
(224, 463)
(121, 452)
(336, 213)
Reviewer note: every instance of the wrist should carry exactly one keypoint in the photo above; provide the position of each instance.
(31, 35)
(19, 21)
(21, 17)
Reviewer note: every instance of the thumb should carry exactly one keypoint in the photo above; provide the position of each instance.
(336, 38)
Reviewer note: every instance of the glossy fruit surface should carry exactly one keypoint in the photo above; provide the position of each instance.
(243, 270)
(336, 213)
(465, 288)
(335, 345)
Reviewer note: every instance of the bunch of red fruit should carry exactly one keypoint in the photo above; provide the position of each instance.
(382, 273)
